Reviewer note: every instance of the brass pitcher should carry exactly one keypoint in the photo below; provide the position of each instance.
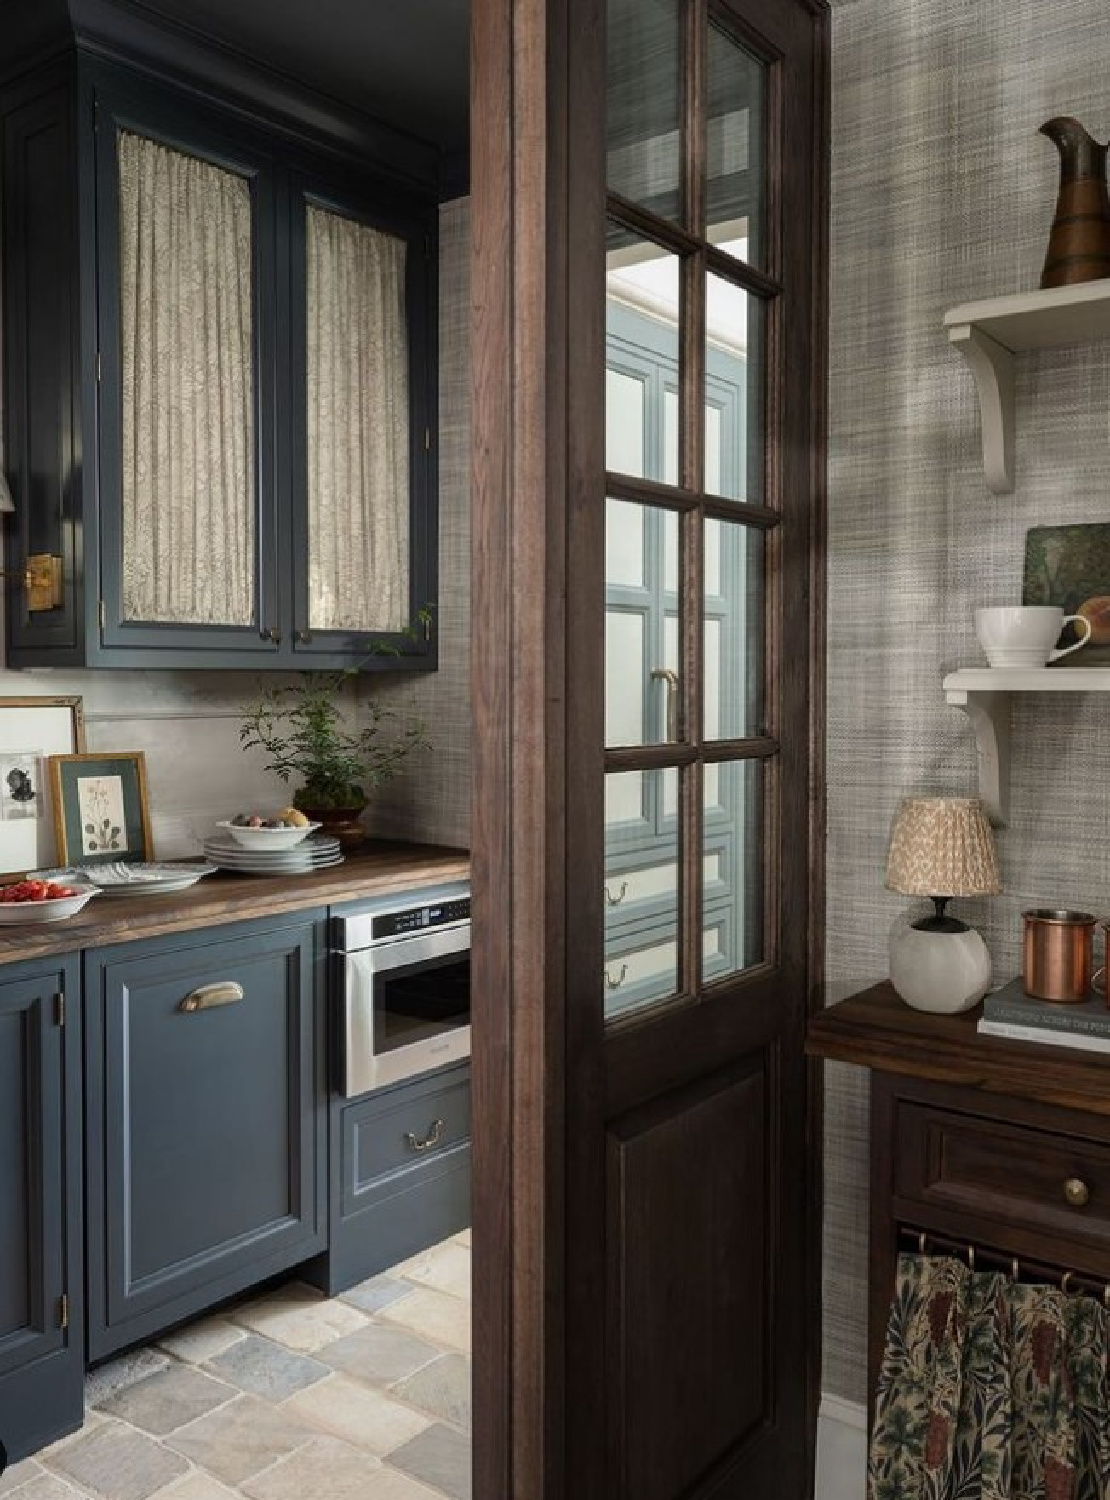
(1079, 244)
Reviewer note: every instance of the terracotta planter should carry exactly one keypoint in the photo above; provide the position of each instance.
(342, 823)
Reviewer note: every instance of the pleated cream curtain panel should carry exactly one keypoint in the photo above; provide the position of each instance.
(358, 426)
(187, 385)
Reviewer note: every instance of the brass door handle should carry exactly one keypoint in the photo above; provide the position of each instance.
(665, 674)
(616, 900)
(615, 984)
(208, 996)
(433, 1138)
(1077, 1193)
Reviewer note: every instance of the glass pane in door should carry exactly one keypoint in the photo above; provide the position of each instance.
(357, 383)
(735, 190)
(641, 891)
(733, 904)
(734, 385)
(644, 103)
(642, 661)
(734, 631)
(187, 371)
(641, 351)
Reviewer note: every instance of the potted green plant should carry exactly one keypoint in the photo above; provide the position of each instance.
(308, 739)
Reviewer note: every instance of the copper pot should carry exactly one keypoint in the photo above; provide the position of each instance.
(1056, 955)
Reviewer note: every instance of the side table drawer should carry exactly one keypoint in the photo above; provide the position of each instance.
(1055, 1184)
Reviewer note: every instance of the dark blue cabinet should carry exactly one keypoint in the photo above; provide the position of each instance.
(206, 1120)
(67, 447)
(41, 1348)
(399, 1175)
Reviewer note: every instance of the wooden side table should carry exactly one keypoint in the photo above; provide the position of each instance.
(998, 1146)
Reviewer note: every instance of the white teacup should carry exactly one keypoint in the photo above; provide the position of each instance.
(1025, 635)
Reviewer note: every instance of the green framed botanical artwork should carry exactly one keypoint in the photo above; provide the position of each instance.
(101, 812)
(1070, 566)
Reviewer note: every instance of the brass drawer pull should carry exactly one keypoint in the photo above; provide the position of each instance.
(617, 899)
(615, 984)
(433, 1138)
(227, 992)
(1077, 1193)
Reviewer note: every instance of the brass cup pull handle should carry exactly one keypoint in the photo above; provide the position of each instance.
(433, 1138)
(615, 984)
(208, 996)
(619, 897)
(1077, 1193)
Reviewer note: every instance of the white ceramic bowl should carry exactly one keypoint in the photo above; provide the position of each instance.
(19, 913)
(267, 838)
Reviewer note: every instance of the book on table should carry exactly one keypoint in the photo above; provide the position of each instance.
(1010, 1012)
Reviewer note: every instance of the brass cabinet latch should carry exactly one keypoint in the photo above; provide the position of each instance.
(42, 579)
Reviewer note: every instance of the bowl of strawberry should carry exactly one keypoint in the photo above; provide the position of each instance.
(41, 901)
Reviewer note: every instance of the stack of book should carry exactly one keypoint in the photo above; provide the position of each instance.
(1011, 1013)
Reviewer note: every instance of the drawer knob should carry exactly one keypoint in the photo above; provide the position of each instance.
(1077, 1193)
(433, 1138)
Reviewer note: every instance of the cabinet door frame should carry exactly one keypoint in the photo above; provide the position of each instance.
(42, 1364)
(206, 135)
(381, 205)
(122, 1311)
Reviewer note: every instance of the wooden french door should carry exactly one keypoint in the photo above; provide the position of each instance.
(649, 262)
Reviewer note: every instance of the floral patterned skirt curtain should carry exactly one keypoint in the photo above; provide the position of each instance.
(990, 1390)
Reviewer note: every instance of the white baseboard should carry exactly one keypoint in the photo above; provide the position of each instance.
(841, 1450)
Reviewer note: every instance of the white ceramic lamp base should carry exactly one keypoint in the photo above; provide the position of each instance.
(941, 972)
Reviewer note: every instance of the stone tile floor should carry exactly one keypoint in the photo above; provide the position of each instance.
(285, 1396)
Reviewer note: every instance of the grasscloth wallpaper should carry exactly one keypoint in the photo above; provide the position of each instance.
(943, 191)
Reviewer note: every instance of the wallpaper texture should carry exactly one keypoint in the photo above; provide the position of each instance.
(943, 191)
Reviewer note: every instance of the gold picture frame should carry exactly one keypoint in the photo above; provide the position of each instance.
(32, 729)
(101, 808)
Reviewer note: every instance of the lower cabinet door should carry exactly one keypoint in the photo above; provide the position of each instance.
(206, 1121)
(41, 1349)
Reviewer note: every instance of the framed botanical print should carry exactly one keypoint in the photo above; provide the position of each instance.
(32, 730)
(101, 812)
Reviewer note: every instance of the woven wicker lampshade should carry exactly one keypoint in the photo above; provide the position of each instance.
(942, 846)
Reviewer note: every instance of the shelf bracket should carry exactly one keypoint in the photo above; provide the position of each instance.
(992, 365)
(989, 714)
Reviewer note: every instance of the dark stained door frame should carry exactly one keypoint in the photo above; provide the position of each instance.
(552, 1095)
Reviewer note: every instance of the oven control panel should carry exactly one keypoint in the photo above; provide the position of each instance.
(421, 918)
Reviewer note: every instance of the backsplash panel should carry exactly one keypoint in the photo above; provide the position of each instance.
(943, 192)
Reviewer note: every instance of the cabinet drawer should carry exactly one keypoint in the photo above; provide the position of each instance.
(1004, 1171)
(645, 885)
(640, 963)
(403, 1129)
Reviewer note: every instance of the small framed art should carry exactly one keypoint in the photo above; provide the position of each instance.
(101, 812)
(32, 730)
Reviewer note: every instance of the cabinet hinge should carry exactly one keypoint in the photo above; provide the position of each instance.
(99, 367)
(63, 1311)
(427, 440)
(59, 1009)
(103, 615)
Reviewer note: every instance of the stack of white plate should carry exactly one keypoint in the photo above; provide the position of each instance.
(314, 853)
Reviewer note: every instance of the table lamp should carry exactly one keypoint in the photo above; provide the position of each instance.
(941, 847)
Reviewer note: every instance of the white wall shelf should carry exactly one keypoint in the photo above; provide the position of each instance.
(984, 694)
(990, 333)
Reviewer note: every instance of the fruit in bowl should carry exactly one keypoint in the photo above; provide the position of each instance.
(41, 901)
(282, 830)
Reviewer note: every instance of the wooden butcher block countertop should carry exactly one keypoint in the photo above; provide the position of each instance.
(222, 898)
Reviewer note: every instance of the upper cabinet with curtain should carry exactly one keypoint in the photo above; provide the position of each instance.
(221, 353)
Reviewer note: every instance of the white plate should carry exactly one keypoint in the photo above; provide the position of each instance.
(305, 854)
(265, 840)
(20, 913)
(320, 864)
(145, 878)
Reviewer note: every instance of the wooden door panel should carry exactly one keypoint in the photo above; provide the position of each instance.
(688, 1329)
